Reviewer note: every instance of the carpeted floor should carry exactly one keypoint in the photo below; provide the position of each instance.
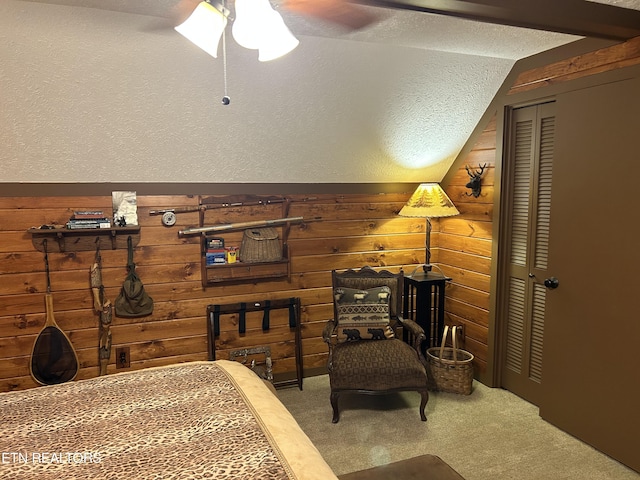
(491, 434)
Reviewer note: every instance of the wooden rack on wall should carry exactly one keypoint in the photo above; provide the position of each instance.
(79, 240)
(240, 271)
(237, 314)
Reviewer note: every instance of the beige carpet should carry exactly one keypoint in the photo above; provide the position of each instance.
(491, 434)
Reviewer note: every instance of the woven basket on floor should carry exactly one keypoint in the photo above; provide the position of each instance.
(260, 245)
(449, 369)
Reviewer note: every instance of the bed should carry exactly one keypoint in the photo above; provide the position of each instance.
(199, 420)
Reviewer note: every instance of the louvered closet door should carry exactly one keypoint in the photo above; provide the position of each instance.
(528, 190)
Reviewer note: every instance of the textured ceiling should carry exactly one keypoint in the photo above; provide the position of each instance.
(102, 91)
(436, 32)
(393, 27)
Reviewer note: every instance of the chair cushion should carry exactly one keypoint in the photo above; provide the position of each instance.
(363, 314)
(370, 365)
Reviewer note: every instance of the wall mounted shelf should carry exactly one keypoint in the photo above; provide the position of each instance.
(245, 272)
(79, 240)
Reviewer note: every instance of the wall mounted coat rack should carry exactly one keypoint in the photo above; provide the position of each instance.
(81, 240)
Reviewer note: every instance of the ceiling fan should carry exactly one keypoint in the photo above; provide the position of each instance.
(256, 24)
(595, 18)
(349, 15)
(341, 12)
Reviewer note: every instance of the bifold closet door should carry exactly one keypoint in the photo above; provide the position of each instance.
(525, 221)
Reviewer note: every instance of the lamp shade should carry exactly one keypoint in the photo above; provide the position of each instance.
(429, 200)
(204, 28)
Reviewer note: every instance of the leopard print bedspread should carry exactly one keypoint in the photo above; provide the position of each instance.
(186, 422)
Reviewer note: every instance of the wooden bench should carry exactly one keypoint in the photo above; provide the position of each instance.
(424, 467)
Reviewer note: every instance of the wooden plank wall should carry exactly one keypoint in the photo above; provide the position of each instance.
(607, 59)
(353, 231)
(465, 249)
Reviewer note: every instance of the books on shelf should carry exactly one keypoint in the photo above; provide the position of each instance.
(88, 215)
(88, 219)
(75, 225)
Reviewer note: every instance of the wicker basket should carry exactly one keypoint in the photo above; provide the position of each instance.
(260, 245)
(449, 369)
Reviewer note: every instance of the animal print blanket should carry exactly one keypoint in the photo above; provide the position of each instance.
(200, 420)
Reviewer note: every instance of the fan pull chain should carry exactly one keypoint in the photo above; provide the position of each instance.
(225, 100)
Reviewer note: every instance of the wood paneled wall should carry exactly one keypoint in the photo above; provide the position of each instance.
(604, 60)
(349, 231)
(465, 243)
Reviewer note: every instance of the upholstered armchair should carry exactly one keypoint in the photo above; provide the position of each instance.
(372, 349)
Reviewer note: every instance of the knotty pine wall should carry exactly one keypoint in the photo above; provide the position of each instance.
(352, 231)
(464, 253)
(607, 59)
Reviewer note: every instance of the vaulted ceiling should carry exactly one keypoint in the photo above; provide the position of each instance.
(400, 96)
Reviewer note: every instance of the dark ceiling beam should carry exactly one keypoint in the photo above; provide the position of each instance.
(575, 17)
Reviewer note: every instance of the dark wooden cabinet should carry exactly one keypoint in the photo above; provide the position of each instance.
(424, 304)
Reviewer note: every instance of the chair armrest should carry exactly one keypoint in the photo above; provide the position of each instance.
(329, 338)
(328, 330)
(414, 335)
(413, 328)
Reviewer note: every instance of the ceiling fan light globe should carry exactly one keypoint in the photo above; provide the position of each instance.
(204, 28)
(247, 29)
(277, 40)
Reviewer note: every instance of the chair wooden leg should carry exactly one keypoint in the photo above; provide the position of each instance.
(423, 404)
(334, 405)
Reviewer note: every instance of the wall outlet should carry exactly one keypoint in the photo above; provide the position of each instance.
(123, 357)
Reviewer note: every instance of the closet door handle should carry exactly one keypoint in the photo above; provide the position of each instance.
(551, 283)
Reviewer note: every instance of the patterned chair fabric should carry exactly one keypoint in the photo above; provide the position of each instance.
(375, 366)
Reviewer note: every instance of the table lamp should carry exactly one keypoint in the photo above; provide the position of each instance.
(429, 201)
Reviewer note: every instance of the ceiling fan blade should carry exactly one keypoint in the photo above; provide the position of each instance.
(181, 11)
(171, 16)
(353, 17)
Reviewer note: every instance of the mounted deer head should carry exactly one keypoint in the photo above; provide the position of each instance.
(475, 184)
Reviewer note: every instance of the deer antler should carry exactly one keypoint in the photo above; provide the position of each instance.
(466, 167)
(476, 179)
(477, 173)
